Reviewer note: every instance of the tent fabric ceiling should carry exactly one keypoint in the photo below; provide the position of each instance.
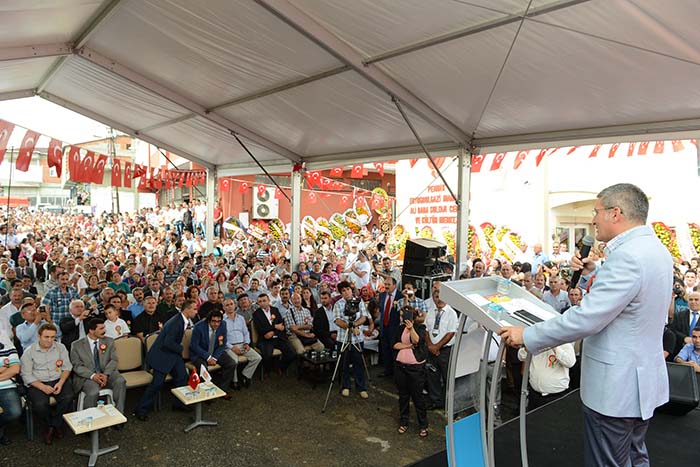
(283, 74)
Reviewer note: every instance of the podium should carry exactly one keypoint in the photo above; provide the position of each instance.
(492, 302)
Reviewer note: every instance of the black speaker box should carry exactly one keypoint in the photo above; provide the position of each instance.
(421, 256)
(684, 395)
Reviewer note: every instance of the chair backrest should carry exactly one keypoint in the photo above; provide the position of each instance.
(150, 339)
(129, 353)
(253, 333)
(186, 344)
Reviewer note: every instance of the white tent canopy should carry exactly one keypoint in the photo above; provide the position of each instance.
(313, 81)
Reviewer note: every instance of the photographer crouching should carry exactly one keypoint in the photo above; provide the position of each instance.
(409, 370)
(350, 313)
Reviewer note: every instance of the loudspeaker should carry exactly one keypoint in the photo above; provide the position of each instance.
(265, 205)
(684, 395)
(421, 257)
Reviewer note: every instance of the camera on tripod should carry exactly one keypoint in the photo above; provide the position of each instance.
(352, 308)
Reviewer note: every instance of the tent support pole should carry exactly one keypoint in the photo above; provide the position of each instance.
(464, 168)
(295, 225)
(211, 202)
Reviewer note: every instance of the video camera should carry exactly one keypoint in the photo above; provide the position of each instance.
(352, 307)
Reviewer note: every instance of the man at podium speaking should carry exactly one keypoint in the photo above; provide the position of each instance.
(622, 320)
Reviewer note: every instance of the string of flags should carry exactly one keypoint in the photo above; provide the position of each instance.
(87, 166)
(640, 148)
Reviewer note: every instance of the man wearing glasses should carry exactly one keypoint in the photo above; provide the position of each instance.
(622, 320)
(208, 348)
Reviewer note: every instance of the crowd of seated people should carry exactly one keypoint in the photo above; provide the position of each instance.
(72, 284)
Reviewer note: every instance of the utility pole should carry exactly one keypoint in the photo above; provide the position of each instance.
(112, 157)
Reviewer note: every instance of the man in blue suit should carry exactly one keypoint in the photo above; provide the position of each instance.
(165, 357)
(388, 323)
(623, 372)
(208, 348)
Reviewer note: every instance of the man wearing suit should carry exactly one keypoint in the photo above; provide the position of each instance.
(74, 326)
(24, 270)
(208, 348)
(388, 323)
(94, 360)
(324, 321)
(622, 320)
(272, 334)
(682, 321)
(165, 357)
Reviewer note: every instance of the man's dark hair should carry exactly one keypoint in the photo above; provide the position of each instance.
(46, 327)
(215, 313)
(324, 292)
(243, 295)
(187, 304)
(263, 295)
(94, 322)
(343, 285)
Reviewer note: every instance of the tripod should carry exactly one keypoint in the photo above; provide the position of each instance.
(344, 348)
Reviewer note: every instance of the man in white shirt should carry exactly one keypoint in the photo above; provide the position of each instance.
(441, 325)
(549, 373)
(360, 271)
(555, 297)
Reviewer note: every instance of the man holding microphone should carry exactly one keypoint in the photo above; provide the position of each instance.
(622, 320)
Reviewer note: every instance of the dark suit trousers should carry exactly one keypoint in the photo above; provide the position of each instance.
(410, 380)
(386, 350)
(179, 377)
(613, 441)
(40, 403)
(437, 380)
(267, 346)
(223, 377)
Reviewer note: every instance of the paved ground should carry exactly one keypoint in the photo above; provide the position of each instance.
(274, 423)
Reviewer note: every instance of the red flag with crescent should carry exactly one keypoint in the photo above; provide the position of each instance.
(225, 185)
(379, 166)
(520, 158)
(477, 162)
(344, 200)
(594, 152)
(313, 178)
(357, 171)
(659, 147)
(243, 187)
(98, 172)
(630, 150)
(336, 172)
(326, 183)
(86, 167)
(677, 145)
(5, 133)
(261, 190)
(540, 156)
(497, 160)
(643, 146)
(73, 163)
(613, 150)
(24, 157)
(278, 193)
(127, 174)
(54, 157)
(117, 173)
(313, 197)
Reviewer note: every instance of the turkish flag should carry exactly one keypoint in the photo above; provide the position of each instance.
(326, 183)
(117, 173)
(630, 150)
(497, 160)
(571, 150)
(203, 178)
(312, 197)
(278, 193)
(98, 173)
(5, 133)
(139, 171)
(540, 156)
(356, 171)
(344, 200)
(188, 180)
(261, 190)
(143, 183)
(181, 179)
(377, 201)
(413, 162)
(225, 185)
(613, 150)
(379, 166)
(24, 157)
(520, 158)
(477, 161)
(73, 163)
(313, 178)
(194, 380)
(86, 167)
(677, 145)
(643, 146)
(54, 157)
(594, 152)
(337, 172)
(127, 175)
(659, 147)
(243, 187)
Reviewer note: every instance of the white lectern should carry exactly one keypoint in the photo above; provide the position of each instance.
(492, 302)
